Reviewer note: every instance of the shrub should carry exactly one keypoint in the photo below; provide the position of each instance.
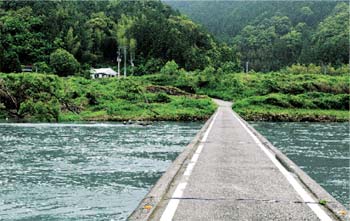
(31, 96)
(150, 66)
(63, 63)
(158, 98)
(42, 67)
(170, 68)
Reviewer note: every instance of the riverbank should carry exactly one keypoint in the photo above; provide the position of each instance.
(259, 113)
(275, 96)
(49, 98)
(175, 95)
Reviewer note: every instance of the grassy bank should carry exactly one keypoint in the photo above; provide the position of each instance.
(310, 106)
(169, 95)
(273, 96)
(39, 97)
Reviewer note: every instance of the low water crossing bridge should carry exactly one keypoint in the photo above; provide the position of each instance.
(230, 172)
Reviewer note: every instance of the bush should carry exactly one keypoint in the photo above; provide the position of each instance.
(314, 69)
(42, 67)
(170, 68)
(150, 66)
(10, 63)
(31, 96)
(63, 63)
(158, 98)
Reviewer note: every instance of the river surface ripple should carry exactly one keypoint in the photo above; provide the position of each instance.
(83, 171)
(320, 149)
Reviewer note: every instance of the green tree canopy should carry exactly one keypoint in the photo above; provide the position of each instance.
(63, 63)
(331, 40)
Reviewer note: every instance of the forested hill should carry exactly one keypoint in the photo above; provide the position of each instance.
(68, 37)
(89, 33)
(227, 18)
(274, 34)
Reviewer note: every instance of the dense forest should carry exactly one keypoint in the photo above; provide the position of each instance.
(69, 36)
(276, 34)
(261, 36)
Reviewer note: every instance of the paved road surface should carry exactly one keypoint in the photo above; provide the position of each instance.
(233, 179)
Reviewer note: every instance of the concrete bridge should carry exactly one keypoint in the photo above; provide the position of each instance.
(230, 172)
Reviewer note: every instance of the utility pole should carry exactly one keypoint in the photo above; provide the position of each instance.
(131, 63)
(119, 60)
(124, 61)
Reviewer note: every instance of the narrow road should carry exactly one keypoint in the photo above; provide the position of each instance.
(232, 177)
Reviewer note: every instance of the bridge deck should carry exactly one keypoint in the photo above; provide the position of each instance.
(231, 177)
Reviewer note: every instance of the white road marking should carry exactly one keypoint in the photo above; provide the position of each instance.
(321, 214)
(170, 210)
(199, 149)
(173, 203)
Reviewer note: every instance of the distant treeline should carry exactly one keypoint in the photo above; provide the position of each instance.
(69, 36)
(272, 35)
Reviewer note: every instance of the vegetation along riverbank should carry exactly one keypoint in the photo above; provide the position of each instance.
(39, 97)
(175, 94)
(296, 93)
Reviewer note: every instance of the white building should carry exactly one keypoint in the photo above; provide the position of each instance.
(103, 73)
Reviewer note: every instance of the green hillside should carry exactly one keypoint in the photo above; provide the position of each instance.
(93, 32)
(273, 34)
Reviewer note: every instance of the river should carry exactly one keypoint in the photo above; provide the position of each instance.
(83, 171)
(320, 149)
(102, 171)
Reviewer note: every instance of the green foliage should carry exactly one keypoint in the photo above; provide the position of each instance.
(314, 69)
(125, 99)
(268, 36)
(33, 97)
(72, 44)
(261, 113)
(170, 68)
(42, 67)
(158, 98)
(331, 39)
(322, 202)
(20, 42)
(42, 97)
(94, 31)
(294, 88)
(272, 36)
(63, 63)
(313, 100)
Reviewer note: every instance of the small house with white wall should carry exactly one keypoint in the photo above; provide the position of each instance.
(103, 73)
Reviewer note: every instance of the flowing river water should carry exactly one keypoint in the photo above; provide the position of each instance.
(102, 171)
(320, 149)
(83, 171)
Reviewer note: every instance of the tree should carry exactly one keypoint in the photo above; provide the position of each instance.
(331, 40)
(71, 42)
(170, 68)
(124, 35)
(33, 96)
(63, 63)
(19, 40)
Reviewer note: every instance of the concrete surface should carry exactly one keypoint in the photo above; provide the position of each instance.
(233, 179)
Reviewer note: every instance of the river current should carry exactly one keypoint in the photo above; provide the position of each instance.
(83, 171)
(101, 171)
(320, 149)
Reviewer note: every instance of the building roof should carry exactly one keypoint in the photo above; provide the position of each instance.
(108, 71)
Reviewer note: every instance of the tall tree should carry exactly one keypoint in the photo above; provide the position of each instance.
(331, 40)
